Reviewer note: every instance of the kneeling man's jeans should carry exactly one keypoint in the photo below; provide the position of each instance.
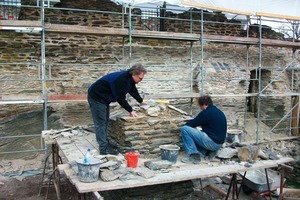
(195, 141)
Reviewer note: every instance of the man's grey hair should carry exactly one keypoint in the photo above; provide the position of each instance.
(137, 69)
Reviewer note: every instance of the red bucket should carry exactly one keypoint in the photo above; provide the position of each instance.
(132, 159)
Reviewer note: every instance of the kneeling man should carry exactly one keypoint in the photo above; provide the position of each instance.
(208, 140)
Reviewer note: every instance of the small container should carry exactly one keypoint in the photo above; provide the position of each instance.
(132, 159)
(88, 172)
(169, 152)
(234, 136)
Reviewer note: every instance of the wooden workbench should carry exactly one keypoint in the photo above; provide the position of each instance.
(73, 149)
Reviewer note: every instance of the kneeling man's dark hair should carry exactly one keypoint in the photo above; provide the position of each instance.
(205, 100)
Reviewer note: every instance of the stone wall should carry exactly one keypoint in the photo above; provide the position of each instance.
(146, 133)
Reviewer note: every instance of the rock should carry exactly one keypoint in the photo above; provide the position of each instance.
(144, 172)
(158, 164)
(272, 155)
(262, 155)
(111, 164)
(227, 153)
(127, 176)
(177, 109)
(153, 111)
(248, 153)
(66, 134)
(108, 175)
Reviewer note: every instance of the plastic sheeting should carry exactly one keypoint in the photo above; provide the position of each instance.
(284, 9)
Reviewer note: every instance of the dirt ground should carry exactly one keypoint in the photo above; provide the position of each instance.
(28, 189)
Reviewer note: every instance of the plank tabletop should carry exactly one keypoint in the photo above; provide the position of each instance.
(75, 148)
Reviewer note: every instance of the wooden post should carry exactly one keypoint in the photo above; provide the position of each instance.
(295, 116)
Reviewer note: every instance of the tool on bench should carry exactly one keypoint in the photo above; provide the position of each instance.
(152, 102)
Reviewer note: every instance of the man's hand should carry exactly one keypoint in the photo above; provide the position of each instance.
(133, 114)
(144, 103)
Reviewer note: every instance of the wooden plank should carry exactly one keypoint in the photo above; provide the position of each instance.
(91, 138)
(272, 15)
(121, 32)
(201, 5)
(20, 23)
(231, 39)
(83, 144)
(280, 43)
(13, 97)
(165, 35)
(180, 172)
(69, 149)
(68, 97)
(252, 41)
(74, 149)
(193, 95)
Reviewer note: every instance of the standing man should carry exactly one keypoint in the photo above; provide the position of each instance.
(113, 87)
(208, 140)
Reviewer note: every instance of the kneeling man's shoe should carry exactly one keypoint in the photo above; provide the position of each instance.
(211, 155)
(192, 159)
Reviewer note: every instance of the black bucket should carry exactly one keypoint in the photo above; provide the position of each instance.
(169, 152)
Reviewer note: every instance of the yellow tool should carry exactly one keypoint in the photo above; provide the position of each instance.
(152, 102)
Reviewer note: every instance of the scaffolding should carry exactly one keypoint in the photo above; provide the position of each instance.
(152, 26)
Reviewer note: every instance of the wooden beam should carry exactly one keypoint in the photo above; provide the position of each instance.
(194, 95)
(272, 15)
(67, 97)
(19, 97)
(165, 35)
(210, 7)
(119, 32)
(182, 172)
(20, 23)
(250, 40)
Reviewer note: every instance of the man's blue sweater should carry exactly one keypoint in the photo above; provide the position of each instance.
(213, 122)
(113, 87)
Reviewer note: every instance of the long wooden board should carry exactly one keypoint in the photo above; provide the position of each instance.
(179, 173)
(122, 32)
(75, 148)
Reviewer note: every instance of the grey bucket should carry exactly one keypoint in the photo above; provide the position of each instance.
(88, 172)
(169, 152)
(234, 136)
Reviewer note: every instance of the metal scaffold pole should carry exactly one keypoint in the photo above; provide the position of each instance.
(43, 65)
(130, 34)
(259, 81)
(202, 54)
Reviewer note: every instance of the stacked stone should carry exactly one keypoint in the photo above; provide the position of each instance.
(145, 133)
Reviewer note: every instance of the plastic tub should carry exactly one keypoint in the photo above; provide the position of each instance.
(132, 159)
(169, 152)
(234, 135)
(88, 172)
